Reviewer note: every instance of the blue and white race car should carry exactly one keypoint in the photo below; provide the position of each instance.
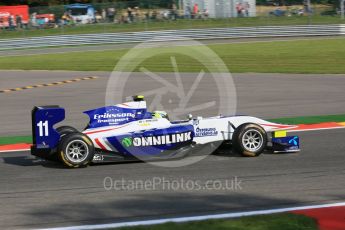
(128, 132)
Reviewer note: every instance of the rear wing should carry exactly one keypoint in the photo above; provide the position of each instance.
(43, 119)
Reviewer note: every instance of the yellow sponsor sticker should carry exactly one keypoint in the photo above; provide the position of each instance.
(144, 124)
(281, 133)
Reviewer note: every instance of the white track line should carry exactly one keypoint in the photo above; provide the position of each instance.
(195, 218)
(16, 150)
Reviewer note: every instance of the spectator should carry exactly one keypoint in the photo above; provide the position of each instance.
(154, 15)
(130, 14)
(98, 17)
(64, 19)
(19, 21)
(104, 14)
(111, 14)
(195, 10)
(239, 9)
(11, 22)
(246, 9)
(123, 18)
(188, 12)
(41, 22)
(147, 15)
(174, 12)
(136, 14)
(2, 20)
(33, 20)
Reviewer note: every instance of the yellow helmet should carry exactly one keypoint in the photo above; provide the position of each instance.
(160, 114)
(138, 98)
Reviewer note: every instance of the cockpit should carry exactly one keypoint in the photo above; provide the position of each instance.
(155, 114)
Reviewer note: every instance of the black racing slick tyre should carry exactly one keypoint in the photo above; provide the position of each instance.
(63, 130)
(76, 150)
(249, 140)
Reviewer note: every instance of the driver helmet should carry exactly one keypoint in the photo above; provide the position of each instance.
(160, 114)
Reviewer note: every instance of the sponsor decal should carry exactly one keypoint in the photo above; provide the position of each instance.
(98, 157)
(294, 141)
(157, 140)
(203, 132)
(113, 118)
(127, 142)
(147, 122)
(290, 143)
(293, 148)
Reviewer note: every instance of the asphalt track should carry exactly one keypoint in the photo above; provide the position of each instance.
(262, 95)
(35, 194)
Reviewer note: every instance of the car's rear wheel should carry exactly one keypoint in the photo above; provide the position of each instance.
(249, 140)
(63, 130)
(76, 150)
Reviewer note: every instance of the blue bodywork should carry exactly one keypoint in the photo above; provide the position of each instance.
(286, 144)
(147, 142)
(153, 142)
(45, 137)
(43, 120)
(113, 115)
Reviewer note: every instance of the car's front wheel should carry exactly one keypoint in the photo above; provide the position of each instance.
(249, 140)
(76, 150)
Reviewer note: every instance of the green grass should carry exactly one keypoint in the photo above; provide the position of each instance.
(301, 56)
(290, 120)
(285, 221)
(179, 24)
(15, 140)
(310, 120)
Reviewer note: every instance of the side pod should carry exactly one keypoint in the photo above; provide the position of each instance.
(45, 137)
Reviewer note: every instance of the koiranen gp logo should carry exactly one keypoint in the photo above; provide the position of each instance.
(157, 140)
(127, 142)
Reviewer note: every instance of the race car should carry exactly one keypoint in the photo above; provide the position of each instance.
(128, 132)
